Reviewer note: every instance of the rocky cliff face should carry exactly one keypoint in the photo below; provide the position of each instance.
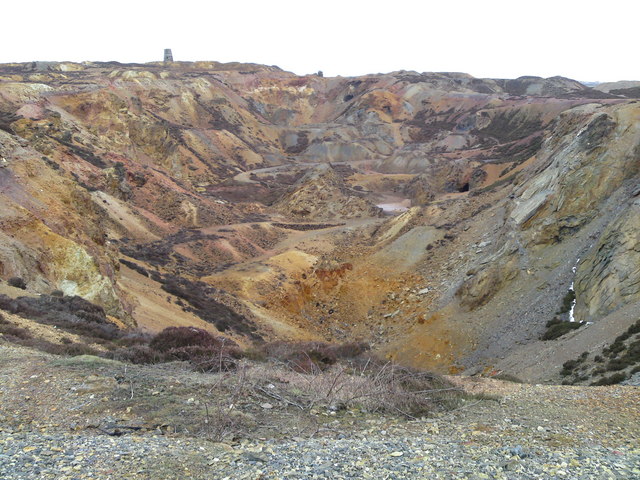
(609, 277)
(159, 188)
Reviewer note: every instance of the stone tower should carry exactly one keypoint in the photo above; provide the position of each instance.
(168, 56)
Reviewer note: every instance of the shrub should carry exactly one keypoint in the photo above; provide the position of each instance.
(571, 364)
(213, 358)
(621, 338)
(567, 302)
(134, 266)
(412, 393)
(48, 307)
(612, 350)
(311, 363)
(630, 357)
(201, 299)
(177, 337)
(557, 328)
(616, 364)
(205, 352)
(256, 354)
(12, 332)
(370, 384)
(350, 350)
(610, 380)
(303, 357)
(73, 350)
(139, 354)
(73, 314)
(132, 338)
(17, 282)
(23, 337)
(633, 351)
(635, 328)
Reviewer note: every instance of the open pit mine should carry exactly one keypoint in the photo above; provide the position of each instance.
(453, 223)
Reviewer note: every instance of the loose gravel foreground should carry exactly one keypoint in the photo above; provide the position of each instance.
(506, 431)
(30, 455)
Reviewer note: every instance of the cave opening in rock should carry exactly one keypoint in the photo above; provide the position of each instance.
(464, 188)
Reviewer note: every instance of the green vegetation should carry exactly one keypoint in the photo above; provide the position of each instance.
(569, 366)
(17, 282)
(630, 357)
(621, 356)
(610, 380)
(567, 302)
(557, 328)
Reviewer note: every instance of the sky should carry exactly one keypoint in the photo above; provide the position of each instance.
(582, 40)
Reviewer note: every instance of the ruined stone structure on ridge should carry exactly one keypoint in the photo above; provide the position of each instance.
(168, 56)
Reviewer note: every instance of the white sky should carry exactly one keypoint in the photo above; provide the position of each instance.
(493, 38)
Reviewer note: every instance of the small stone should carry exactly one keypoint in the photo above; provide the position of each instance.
(518, 451)
(266, 406)
(396, 454)
(511, 465)
(254, 457)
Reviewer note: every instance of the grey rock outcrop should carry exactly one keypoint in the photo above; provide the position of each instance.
(610, 276)
(581, 170)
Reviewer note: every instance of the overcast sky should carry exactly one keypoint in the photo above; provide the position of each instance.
(493, 38)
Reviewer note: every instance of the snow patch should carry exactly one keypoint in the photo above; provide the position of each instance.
(572, 318)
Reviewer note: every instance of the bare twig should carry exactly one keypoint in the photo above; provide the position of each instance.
(335, 380)
(279, 397)
(438, 390)
(404, 413)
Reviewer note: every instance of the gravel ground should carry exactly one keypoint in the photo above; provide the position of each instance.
(30, 455)
(55, 419)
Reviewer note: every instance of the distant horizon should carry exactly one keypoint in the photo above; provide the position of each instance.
(80, 62)
(490, 39)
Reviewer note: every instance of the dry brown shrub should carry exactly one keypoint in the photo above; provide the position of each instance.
(369, 385)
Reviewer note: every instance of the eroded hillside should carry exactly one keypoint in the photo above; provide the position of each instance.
(440, 217)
